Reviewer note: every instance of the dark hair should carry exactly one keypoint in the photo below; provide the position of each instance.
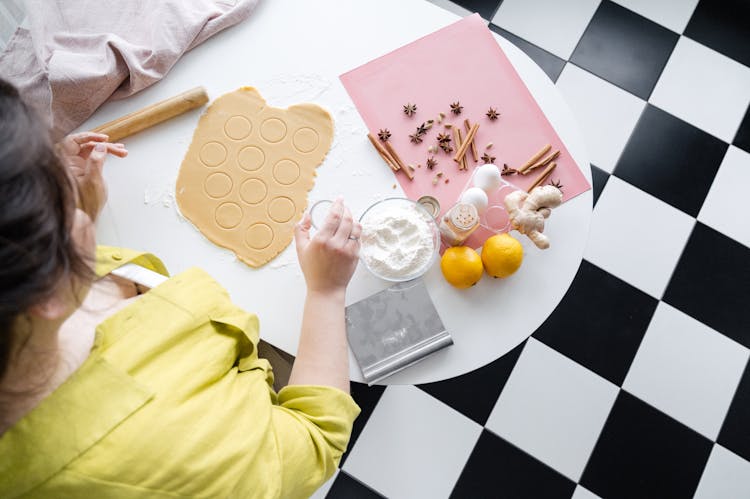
(38, 200)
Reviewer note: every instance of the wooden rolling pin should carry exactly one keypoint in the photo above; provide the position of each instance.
(149, 116)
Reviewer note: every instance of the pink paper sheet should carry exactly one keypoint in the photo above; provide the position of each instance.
(461, 62)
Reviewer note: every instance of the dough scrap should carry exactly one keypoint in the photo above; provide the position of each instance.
(245, 177)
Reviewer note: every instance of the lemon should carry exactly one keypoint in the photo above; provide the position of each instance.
(461, 266)
(502, 254)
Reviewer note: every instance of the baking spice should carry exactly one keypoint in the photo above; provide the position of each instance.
(488, 146)
(542, 176)
(410, 109)
(459, 223)
(474, 155)
(492, 114)
(415, 138)
(457, 141)
(443, 138)
(507, 170)
(446, 147)
(422, 129)
(543, 162)
(544, 150)
(383, 153)
(447, 180)
(384, 134)
(456, 108)
(395, 157)
(487, 158)
(556, 183)
(448, 125)
(431, 162)
(465, 144)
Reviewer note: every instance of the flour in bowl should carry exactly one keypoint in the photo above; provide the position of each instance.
(397, 240)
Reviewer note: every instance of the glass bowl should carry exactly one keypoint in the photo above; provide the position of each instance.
(369, 244)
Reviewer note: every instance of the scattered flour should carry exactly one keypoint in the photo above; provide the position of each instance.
(397, 241)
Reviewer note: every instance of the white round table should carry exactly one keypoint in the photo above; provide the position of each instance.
(293, 51)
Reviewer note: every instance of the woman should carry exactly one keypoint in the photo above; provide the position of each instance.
(111, 390)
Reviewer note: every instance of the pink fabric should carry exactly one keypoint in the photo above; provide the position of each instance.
(76, 55)
(461, 62)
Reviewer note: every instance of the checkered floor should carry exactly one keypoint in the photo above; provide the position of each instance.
(637, 385)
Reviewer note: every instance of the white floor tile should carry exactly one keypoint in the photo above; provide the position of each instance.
(672, 14)
(412, 446)
(705, 88)
(687, 370)
(552, 25)
(583, 493)
(607, 114)
(725, 207)
(637, 237)
(726, 476)
(553, 408)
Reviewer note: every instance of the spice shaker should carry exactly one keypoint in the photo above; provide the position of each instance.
(459, 223)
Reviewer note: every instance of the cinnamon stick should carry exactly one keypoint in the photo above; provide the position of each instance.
(542, 176)
(469, 137)
(132, 123)
(549, 159)
(394, 155)
(383, 153)
(473, 142)
(544, 150)
(457, 141)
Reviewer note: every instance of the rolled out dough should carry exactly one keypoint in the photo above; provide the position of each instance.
(244, 180)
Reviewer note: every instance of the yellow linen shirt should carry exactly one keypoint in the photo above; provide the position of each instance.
(174, 401)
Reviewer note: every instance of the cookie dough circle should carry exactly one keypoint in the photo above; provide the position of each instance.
(281, 209)
(251, 158)
(218, 185)
(305, 139)
(253, 191)
(258, 236)
(237, 127)
(273, 130)
(286, 172)
(213, 153)
(228, 215)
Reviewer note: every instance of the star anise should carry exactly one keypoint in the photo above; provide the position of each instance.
(446, 147)
(456, 108)
(410, 109)
(556, 183)
(507, 170)
(487, 158)
(422, 129)
(443, 138)
(415, 138)
(384, 134)
(431, 162)
(492, 114)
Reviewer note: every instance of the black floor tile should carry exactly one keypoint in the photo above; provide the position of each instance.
(367, 398)
(498, 469)
(742, 139)
(599, 323)
(712, 283)
(642, 452)
(346, 487)
(723, 26)
(485, 8)
(671, 159)
(550, 63)
(625, 48)
(735, 433)
(474, 394)
(599, 178)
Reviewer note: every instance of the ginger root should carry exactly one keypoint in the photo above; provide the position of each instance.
(527, 211)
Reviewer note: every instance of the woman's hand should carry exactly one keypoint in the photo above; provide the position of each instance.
(84, 153)
(329, 258)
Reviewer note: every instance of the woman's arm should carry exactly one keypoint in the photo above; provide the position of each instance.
(328, 260)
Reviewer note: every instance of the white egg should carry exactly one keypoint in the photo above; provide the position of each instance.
(487, 178)
(477, 197)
